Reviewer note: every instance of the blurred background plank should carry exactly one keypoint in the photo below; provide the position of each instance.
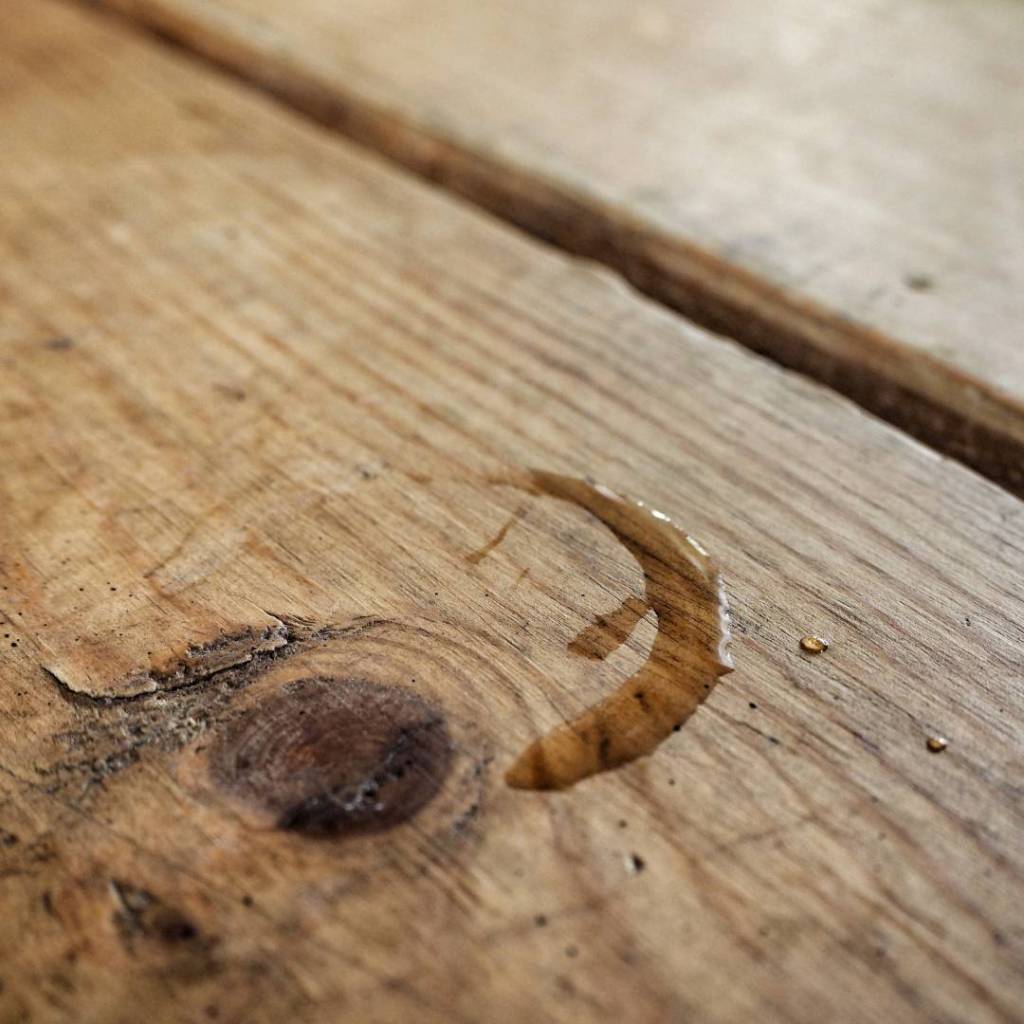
(837, 185)
(254, 381)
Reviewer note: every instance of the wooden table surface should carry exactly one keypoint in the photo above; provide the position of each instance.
(840, 186)
(358, 664)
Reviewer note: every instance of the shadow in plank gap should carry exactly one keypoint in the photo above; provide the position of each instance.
(799, 177)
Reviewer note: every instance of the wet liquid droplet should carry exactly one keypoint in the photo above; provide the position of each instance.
(937, 744)
(813, 644)
(689, 653)
(606, 633)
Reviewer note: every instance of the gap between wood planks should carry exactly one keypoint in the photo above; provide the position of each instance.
(705, 289)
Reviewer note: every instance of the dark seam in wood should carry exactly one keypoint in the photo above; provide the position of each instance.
(188, 677)
(546, 212)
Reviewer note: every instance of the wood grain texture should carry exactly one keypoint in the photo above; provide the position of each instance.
(838, 186)
(254, 385)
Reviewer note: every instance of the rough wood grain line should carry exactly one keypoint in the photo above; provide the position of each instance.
(249, 375)
(838, 188)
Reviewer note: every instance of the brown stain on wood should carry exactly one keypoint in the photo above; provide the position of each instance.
(690, 651)
(608, 632)
(335, 757)
(476, 557)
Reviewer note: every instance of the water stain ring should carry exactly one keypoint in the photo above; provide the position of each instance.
(335, 756)
(683, 587)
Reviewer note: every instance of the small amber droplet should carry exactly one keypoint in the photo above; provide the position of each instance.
(936, 744)
(813, 644)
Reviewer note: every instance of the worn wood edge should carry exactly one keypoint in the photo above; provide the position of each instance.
(932, 401)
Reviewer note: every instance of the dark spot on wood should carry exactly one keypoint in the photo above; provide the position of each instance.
(335, 757)
(466, 818)
(919, 282)
(231, 391)
(172, 927)
(59, 344)
(141, 915)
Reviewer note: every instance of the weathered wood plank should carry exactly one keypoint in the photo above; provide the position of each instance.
(836, 185)
(259, 389)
